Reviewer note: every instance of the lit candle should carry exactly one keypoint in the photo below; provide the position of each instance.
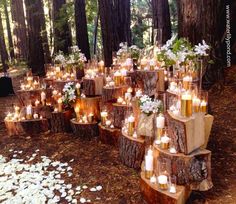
(84, 119)
(117, 78)
(131, 125)
(9, 116)
(111, 83)
(173, 150)
(149, 164)
(77, 112)
(173, 86)
(165, 141)
(160, 124)
(108, 123)
(30, 80)
(135, 135)
(90, 117)
(162, 181)
(17, 109)
(36, 103)
(77, 86)
(104, 115)
(203, 106)
(129, 90)
(35, 116)
(172, 189)
(123, 75)
(55, 110)
(186, 82)
(43, 98)
(120, 100)
(101, 66)
(196, 104)
(22, 86)
(59, 101)
(153, 179)
(128, 97)
(29, 112)
(186, 104)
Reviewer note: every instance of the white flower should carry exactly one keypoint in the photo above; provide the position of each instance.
(201, 49)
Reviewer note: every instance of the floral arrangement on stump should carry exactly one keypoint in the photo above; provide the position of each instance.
(149, 108)
(126, 51)
(76, 57)
(60, 59)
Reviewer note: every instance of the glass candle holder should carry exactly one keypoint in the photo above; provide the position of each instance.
(164, 172)
(165, 141)
(149, 163)
(160, 124)
(104, 115)
(186, 104)
(204, 101)
(187, 80)
(172, 184)
(117, 78)
(131, 125)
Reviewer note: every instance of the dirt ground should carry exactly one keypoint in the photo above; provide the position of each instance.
(98, 164)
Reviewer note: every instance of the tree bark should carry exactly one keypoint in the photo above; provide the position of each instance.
(200, 20)
(19, 29)
(105, 10)
(161, 20)
(3, 50)
(62, 34)
(36, 52)
(81, 27)
(11, 49)
(95, 34)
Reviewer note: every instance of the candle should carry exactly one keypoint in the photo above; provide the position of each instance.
(117, 78)
(36, 103)
(22, 86)
(55, 110)
(120, 100)
(77, 112)
(17, 109)
(196, 104)
(128, 97)
(28, 112)
(143, 63)
(160, 124)
(173, 150)
(129, 90)
(186, 104)
(104, 115)
(77, 86)
(30, 81)
(108, 123)
(162, 181)
(35, 116)
(36, 84)
(101, 66)
(135, 135)
(172, 189)
(186, 82)
(90, 117)
(203, 106)
(123, 75)
(9, 116)
(165, 141)
(43, 98)
(131, 125)
(59, 101)
(153, 179)
(84, 119)
(173, 86)
(149, 164)
(111, 83)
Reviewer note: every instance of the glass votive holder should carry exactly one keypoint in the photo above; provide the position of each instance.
(204, 101)
(172, 184)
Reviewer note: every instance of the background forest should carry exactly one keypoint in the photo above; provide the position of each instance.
(33, 31)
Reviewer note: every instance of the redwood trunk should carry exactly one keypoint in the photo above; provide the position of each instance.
(11, 49)
(3, 50)
(161, 20)
(81, 27)
(62, 34)
(36, 52)
(19, 29)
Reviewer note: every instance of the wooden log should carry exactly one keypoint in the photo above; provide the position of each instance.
(34, 126)
(93, 87)
(111, 93)
(120, 112)
(90, 105)
(187, 134)
(84, 130)
(60, 121)
(109, 135)
(131, 150)
(147, 80)
(13, 128)
(152, 194)
(193, 169)
(208, 125)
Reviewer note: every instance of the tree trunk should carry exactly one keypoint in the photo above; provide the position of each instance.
(36, 52)
(47, 56)
(62, 34)
(11, 49)
(81, 27)
(19, 29)
(3, 50)
(105, 10)
(197, 21)
(161, 20)
(95, 34)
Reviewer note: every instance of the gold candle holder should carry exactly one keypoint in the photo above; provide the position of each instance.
(165, 140)
(186, 105)
(163, 182)
(117, 80)
(160, 132)
(149, 164)
(59, 105)
(187, 82)
(203, 106)
(196, 105)
(131, 125)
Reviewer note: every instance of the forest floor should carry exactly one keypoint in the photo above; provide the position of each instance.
(98, 164)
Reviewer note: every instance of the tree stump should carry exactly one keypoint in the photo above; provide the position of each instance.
(34, 126)
(109, 135)
(93, 87)
(119, 112)
(148, 81)
(131, 151)
(187, 134)
(193, 170)
(13, 128)
(208, 125)
(90, 105)
(111, 93)
(152, 194)
(84, 130)
(60, 121)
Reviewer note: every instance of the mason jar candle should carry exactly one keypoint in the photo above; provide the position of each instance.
(131, 125)
(186, 104)
(104, 115)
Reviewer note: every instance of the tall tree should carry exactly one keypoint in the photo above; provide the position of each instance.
(200, 20)
(81, 27)
(3, 50)
(11, 49)
(62, 34)
(36, 52)
(105, 10)
(161, 20)
(19, 29)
